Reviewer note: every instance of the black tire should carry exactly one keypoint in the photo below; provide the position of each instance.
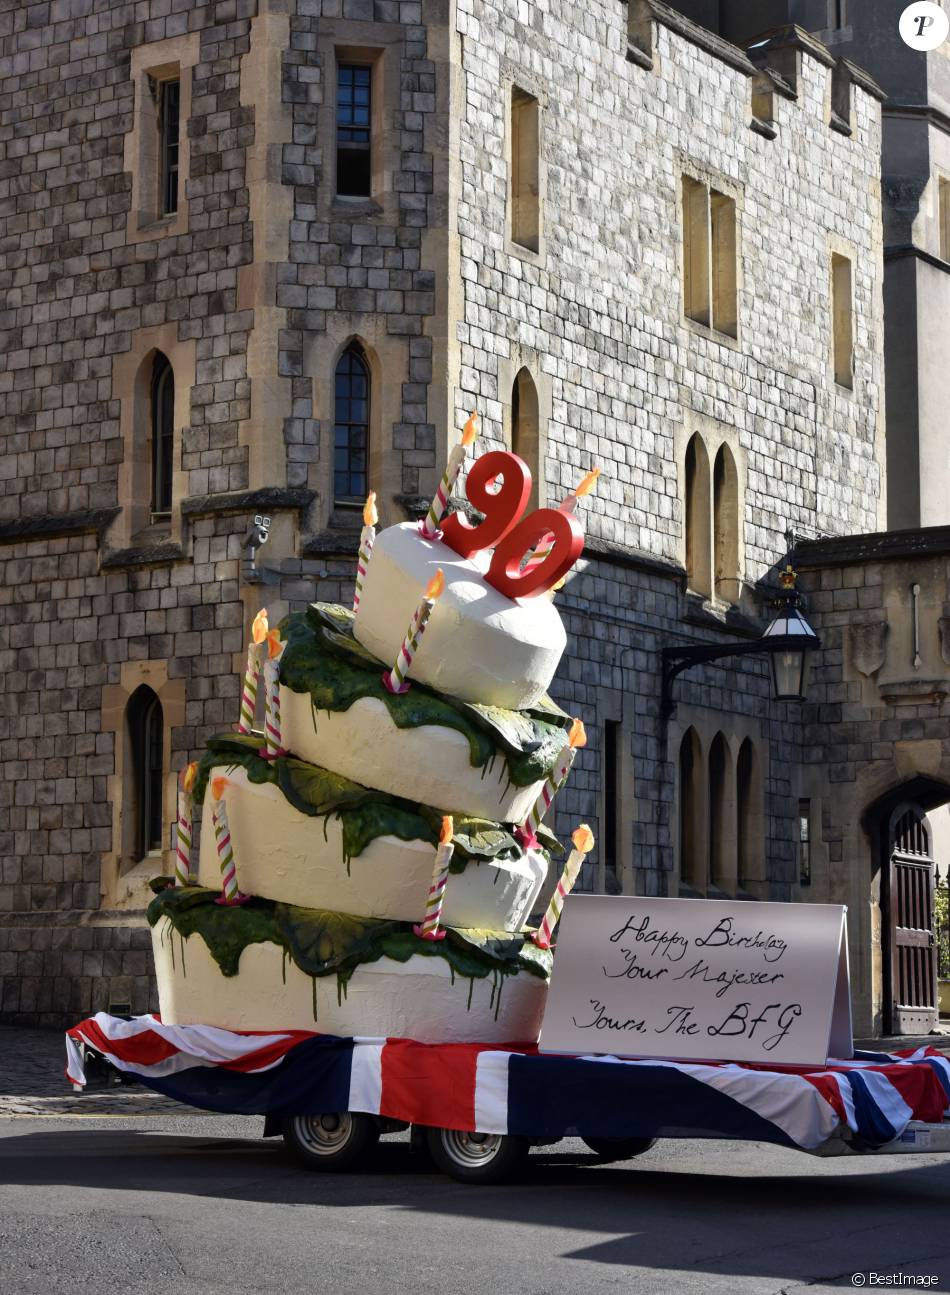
(607, 1149)
(333, 1143)
(476, 1157)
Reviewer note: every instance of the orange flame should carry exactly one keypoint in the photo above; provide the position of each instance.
(274, 644)
(583, 839)
(578, 734)
(588, 483)
(435, 586)
(218, 785)
(259, 626)
(188, 775)
(448, 827)
(470, 430)
(370, 515)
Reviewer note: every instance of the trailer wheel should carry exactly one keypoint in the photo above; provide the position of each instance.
(331, 1143)
(607, 1149)
(476, 1157)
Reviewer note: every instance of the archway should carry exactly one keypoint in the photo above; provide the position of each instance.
(904, 886)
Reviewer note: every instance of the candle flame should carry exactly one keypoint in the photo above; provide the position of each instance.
(470, 430)
(448, 827)
(435, 586)
(578, 734)
(218, 785)
(370, 515)
(274, 644)
(259, 626)
(189, 774)
(583, 839)
(588, 483)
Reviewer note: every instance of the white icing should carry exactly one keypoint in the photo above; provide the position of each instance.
(286, 856)
(430, 765)
(478, 645)
(412, 1000)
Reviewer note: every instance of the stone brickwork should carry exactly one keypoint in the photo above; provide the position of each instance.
(254, 291)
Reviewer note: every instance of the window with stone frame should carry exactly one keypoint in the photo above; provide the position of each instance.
(712, 516)
(709, 257)
(162, 436)
(697, 516)
(842, 320)
(145, 746)
(943, 216)
(726, 576)
(693, 864)
(169, 127)
(354, 114)
(837, 14)
(750, 827)
(525, 184)
(352, 394)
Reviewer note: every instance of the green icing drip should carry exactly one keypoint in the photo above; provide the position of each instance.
(322, 943)
(323, 659)
(364, 814)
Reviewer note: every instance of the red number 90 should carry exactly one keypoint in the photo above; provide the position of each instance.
(513, 536)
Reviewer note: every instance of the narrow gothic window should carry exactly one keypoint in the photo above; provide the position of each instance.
(351, 426)
(525, 177)
(720, 832)
(146, 738)
(525, 426)
(693, 870)
(169, 112)
(943, 194)
(353, 126)
(841, 320)
(726, 526)
(747, 814)
(698, 523)
(611, 777)
(804, 842)
(162, 435)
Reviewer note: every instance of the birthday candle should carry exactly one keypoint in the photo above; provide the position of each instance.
(430, 527)
(222, 837)
(272, 730)
(577, 737)
(430, 929)
(367, 540)
(395, 680)
(252, 672)
(567, 505)
(583, 839)
(183, 828)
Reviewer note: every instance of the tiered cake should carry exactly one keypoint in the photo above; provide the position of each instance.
(333, 833)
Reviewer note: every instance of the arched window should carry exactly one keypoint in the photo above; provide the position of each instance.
(693, 870)
(698, 527)
(351, 426)
(162, 434)
(749, 826)
(726, 525)
(722, 850)
(146, 740)
(525, 426)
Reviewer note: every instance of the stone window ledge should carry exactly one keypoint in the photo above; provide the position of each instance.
(148, 555)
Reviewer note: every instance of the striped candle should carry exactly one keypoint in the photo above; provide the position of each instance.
(430, 527)
(528, 830)
(183, 828)
(395, 680)
(583, 839)
(430, 928)
(252, 672)
(367, 540)
(567, 505)
(272, 728)
(222, 839)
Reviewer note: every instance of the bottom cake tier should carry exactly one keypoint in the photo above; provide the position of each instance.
(474, 988)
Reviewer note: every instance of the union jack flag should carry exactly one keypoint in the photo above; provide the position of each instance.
(516, 1090)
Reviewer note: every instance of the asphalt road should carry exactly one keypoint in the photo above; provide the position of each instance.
(192, 1203)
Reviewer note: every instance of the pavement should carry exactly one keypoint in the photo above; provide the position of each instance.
(127, 1192)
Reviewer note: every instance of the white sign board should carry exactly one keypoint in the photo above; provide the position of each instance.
(700, 980)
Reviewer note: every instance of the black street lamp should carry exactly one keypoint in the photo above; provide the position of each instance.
(788, 641)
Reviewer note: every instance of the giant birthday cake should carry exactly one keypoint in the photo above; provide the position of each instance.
(370, 862)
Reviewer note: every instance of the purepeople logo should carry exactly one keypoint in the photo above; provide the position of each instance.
(924, 25)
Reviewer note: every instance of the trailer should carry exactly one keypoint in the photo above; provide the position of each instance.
(477, 1110)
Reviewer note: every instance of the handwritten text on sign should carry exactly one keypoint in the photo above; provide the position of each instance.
(696, 979)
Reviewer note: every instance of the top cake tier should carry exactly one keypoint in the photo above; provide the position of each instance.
(479, 645)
